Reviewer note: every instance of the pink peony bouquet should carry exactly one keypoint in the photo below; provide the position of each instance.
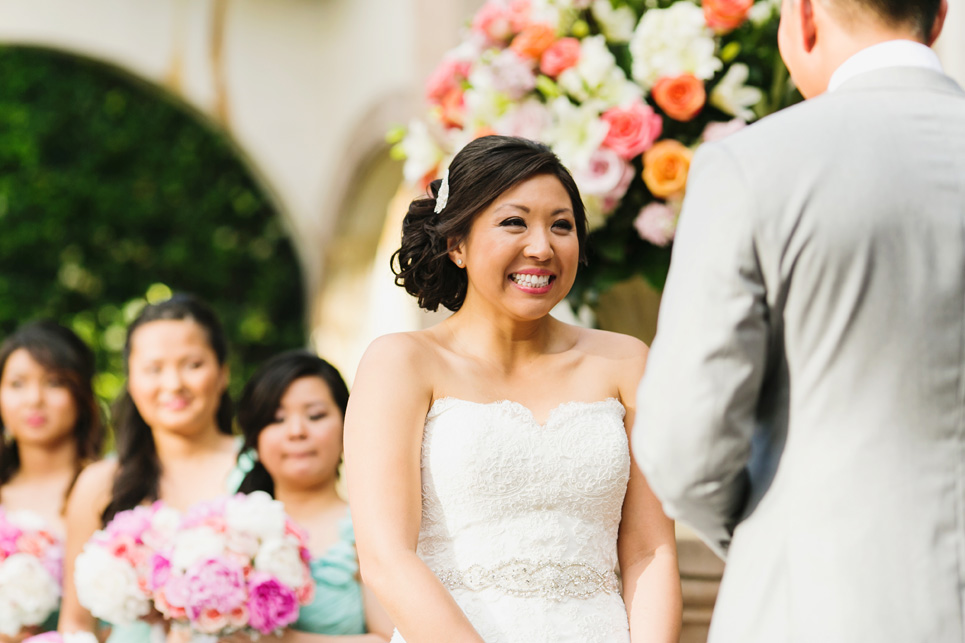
(113, 571)
(31, 565)
(236, 564)
(623, 91)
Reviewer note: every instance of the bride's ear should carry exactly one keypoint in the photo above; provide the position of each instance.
(457, 253)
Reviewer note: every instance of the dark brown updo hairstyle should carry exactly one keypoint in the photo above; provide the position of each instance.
(261, 398)
(484, 169)
(138, 473)
(62, 353)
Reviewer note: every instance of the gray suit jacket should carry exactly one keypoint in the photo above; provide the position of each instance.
(805, 394)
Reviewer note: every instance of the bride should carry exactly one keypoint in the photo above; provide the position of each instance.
(492, 489)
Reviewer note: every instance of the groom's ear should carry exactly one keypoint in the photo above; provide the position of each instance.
(936, 28)
(809, 31)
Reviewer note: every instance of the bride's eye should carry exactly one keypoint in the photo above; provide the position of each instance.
(513, 222)
(563, 225)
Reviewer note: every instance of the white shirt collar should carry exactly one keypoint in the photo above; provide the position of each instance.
(894, 53)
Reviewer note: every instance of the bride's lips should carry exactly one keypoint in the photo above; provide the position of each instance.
(534, 281)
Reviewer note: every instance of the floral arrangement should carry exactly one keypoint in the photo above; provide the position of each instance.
(235, 564)
(31, 564)
(112, 574)
(623, 91)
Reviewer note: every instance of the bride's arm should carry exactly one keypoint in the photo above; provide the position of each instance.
(646, 545)
(383, 447)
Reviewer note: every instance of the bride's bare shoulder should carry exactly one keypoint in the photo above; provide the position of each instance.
(608, 345)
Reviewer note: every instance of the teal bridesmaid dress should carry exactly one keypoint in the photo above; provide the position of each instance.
(338, 607)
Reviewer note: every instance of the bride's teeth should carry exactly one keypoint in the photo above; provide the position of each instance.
(532, 281)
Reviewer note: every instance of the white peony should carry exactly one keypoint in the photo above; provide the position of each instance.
(673, 41)
(733, 97)
(616, 23)
(197, 543)
(576, 133)
(281, 557)
(422, 153)
(108, 588)
(596, 76)
(257, 514)
(34, 592)
(27, 520)
(164, 525)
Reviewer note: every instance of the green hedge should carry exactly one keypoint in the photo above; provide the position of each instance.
(110, 194)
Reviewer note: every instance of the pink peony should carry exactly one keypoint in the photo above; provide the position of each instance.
(448, 76)
(200, 513)
(563, 54)
(160, 571)
(214, 584)
(656, 223)
(633, 129)
(131, 523)
(271, 605)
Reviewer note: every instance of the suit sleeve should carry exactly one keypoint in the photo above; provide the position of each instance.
(697, 399)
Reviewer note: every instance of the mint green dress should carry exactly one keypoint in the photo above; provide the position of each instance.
(338, 607)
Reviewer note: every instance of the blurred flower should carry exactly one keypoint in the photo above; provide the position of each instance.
(680, 97)
(726, 15)
(732, 96)
(673, 41)
(616, 23)
(534, 40)
(716, 131)
(665, 168)
(656, 223)
(562, 55)
(422, 154)
(631, 129)
(597, 76)
(576, 133)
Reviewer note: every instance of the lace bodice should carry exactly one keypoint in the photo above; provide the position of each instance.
(520, 520)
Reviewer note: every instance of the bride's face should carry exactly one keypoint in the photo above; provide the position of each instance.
(522, 252)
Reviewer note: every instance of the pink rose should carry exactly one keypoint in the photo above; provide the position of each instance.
(447, 76)
(492, 20)
(214, 584)
(271, 605)
(656, 223)
(633, 129)
(563, 54)
(726, 15)
(210, 621)
(167, 607)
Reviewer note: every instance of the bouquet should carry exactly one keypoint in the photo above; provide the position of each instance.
(31, 564)
(235, 564)
(113, 571)
(57, 637)
(623, 91)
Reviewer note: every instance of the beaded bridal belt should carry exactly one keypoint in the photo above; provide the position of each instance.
(535, 579)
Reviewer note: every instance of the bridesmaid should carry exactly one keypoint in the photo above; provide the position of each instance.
(291, 414)
(173, 426)
(50, 421)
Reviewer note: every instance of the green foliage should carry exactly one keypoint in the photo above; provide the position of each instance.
(111, 195)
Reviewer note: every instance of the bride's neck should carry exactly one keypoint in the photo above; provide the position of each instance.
(496, 339)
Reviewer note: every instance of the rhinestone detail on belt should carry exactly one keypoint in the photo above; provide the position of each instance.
(535, 579)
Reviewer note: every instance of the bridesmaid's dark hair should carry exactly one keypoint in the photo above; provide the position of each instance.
(261, 398)
(139, 469)
(63, 353)
(479, 173)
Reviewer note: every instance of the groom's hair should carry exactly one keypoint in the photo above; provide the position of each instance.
(918, 14)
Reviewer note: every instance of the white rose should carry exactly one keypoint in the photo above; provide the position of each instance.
(107, 587)
(576, 133)
(673, 41)
(37, 592)
(281, 558)
(616, 24)
(733, 97)
(257, 514)
(192, 545)
(422, 153)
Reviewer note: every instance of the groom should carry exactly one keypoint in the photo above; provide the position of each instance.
(803, 407)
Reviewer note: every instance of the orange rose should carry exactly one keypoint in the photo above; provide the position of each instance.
(726, 15)
(665, 168)
(533, 41)
(680, 97)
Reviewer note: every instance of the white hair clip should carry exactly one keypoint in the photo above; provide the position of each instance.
(443, 197)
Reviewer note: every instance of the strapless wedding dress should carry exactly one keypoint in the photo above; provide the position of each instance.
(520, 520)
